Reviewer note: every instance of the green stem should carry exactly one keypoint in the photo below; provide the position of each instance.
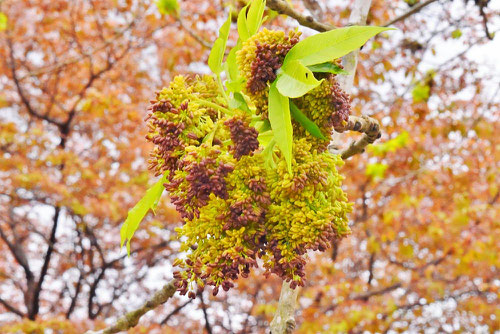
(221, 88)
(214, 106)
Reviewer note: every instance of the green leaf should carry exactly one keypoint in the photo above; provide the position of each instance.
(231, 65)
(267, 153)
(3, 21)
(332, 44)
(238, 102)
(235, 86)
(254, 17)
(457, 33)
(376, 171)
(327, 67)
(217, 53)
(168, 7)
(391, 145)
(421, 93)
(309, 125)
(215, 57)
(137, 213)
(235, 82)
(281, 123)
(242, 24)
(295, 80)
(265, 138)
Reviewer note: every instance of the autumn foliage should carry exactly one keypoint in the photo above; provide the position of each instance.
(76, 80)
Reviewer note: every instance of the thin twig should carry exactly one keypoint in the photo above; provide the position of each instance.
(412, 11)
(193, 34)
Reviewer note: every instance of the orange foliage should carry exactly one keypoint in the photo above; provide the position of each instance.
(75, 80)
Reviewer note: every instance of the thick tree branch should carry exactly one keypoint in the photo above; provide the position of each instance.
(35, 301)
(283, 321)
(131, 319)
(413, 10)
(366, 125)
(282, 7)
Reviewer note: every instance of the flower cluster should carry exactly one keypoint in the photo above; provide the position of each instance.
(259, 59)
(238, 201)
(327, 105)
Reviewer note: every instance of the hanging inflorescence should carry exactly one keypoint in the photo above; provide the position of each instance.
(240, 204)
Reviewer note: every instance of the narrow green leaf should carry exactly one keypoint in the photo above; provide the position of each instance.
(265, 138)
(217, 53)
(281, 123)
(168, 7)
(231, 64)
(268, 154)
(3, 21)
(327, 67)
(309, 125)
(215, 57)
(137, 213)
(235, 86)
(235, 82)
(238, 102)
(242, 24)
(332, 44)
(254, 17)
(295, 79)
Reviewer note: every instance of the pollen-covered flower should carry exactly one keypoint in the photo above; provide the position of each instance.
(237, 199)
(326, 105)
(259, 60)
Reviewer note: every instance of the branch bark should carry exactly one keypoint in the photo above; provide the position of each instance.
(131, 319)
(366, 125)
(283, 321)
(284, 8)
(35, 301)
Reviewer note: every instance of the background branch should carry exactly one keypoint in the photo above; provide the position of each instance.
(413, 10)
(284, 8)
(131, 319)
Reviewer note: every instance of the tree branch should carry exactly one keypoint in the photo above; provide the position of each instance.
(193, 34)
(283, 321)
(369, 294)
(284, 8)
(413, 10)
(205, 314)
(35, 301)
(366, 125)
(20, 91)
(175, 311)
(11, 308)
(131, 319)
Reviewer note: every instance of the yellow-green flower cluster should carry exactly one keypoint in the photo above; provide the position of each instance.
(308, 209)
(237, 200)
(259, 59)
(225, 236)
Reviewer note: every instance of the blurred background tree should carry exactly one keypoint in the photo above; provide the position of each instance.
(75, 79)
